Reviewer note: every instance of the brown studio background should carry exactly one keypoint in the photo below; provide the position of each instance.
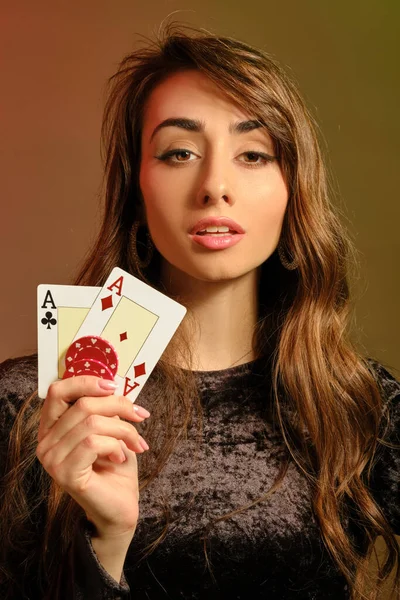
(55, 59)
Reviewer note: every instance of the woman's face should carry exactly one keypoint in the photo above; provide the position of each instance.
(216, 172)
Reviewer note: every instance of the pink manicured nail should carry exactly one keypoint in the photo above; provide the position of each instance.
(106, 384)
(144, 444)
(142, 412)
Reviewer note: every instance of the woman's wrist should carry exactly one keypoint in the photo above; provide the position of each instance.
(111, 549)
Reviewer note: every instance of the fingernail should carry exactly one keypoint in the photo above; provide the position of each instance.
(106, 384)
(144, 444)
(142, 412)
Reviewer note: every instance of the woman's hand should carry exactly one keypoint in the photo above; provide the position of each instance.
(91, 454)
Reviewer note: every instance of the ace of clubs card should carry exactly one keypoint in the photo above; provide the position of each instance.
(61, 311)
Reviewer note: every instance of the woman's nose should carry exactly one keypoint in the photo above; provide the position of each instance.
(216, 187)
(211, 199)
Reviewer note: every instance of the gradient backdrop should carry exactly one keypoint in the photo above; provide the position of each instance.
(55, 59)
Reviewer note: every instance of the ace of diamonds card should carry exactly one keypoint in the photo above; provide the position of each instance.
(138, 321)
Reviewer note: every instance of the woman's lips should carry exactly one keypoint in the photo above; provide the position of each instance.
(217, 242)
(216, 222)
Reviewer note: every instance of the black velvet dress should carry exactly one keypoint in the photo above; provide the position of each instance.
(272, 550)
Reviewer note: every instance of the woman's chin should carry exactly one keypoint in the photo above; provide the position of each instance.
(210, 271)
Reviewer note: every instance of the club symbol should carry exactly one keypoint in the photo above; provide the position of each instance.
(49, 321)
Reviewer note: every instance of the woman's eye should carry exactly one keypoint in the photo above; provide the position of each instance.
(181, 152)
(165, 157)
(266, 158)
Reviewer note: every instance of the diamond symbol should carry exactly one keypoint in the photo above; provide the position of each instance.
(123, 336)
(106, 302)
(87, 364)
(140, 370)
(69, 359)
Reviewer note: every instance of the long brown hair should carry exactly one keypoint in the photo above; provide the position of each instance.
(327, 399)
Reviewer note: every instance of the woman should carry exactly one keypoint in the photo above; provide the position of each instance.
(264, 467)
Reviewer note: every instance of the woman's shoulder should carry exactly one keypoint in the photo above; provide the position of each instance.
(18, 380)
(388, 383)
(384, 479)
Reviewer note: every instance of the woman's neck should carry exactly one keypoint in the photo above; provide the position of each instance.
(225, 313)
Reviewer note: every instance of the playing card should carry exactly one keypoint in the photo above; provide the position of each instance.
(138, 321)
(61, 311)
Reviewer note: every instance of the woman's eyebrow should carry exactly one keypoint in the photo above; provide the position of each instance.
(199, 126)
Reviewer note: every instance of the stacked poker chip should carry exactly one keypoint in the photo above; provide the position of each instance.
(91, 355)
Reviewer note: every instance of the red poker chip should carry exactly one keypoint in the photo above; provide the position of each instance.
(88, 366)
(93, 347)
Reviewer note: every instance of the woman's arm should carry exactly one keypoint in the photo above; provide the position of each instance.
(92, 567)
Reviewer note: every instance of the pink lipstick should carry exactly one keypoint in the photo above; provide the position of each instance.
(216, 233)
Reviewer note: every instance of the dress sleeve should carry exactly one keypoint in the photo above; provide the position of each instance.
(84, 577)
(385, 475)
(81, 575)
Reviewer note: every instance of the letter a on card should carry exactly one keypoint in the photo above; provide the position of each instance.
(117, 285)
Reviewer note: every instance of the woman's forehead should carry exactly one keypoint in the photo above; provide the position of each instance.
(190, 94)
(192, 102)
